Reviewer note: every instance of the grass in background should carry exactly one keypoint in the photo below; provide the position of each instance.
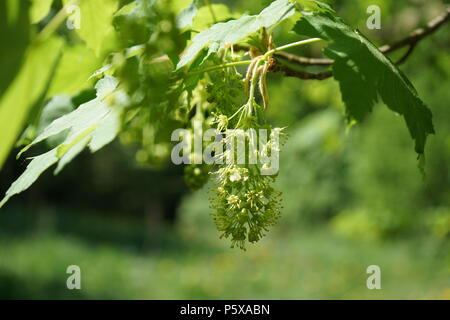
(192, 263)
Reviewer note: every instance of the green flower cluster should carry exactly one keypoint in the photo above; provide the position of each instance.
(223, 93)
(245, 204)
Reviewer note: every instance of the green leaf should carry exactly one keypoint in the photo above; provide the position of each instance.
(54, 109)
(186, 17)
(14, 37)
(204, 19)
(365, 75)
(232, 31)
(26, 89)
(72, 75)
(39, 9)
(34, 170)
(135, 22)
(96, 22)
(84, 117)
(57, 107)
(93, 125)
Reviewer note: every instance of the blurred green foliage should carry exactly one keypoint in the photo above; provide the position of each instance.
(132, 261)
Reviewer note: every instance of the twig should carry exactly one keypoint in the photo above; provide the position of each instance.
(407, 54)
(304, 61)
(56, 21)
(412, 40)
(266, 56)
(418, 34)
(289, 72)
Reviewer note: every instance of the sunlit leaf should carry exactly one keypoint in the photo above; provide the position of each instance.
(96, 22)
(26, 89)
(94, 124)
(186, 17)
(76, 66)
(34, 169)
(232, 31)
(39, 9)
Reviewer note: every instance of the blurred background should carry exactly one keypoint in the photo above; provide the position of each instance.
(352, 198)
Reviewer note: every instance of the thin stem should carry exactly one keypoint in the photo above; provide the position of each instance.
(221, 66)
(237, 112)
(265, 56)
(251, 96)
(56, 21)
(291, 45)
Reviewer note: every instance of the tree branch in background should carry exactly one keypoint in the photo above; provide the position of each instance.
(418, 34)
(407, 54)
(303, 61)
(412, 41)
(304, 75)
